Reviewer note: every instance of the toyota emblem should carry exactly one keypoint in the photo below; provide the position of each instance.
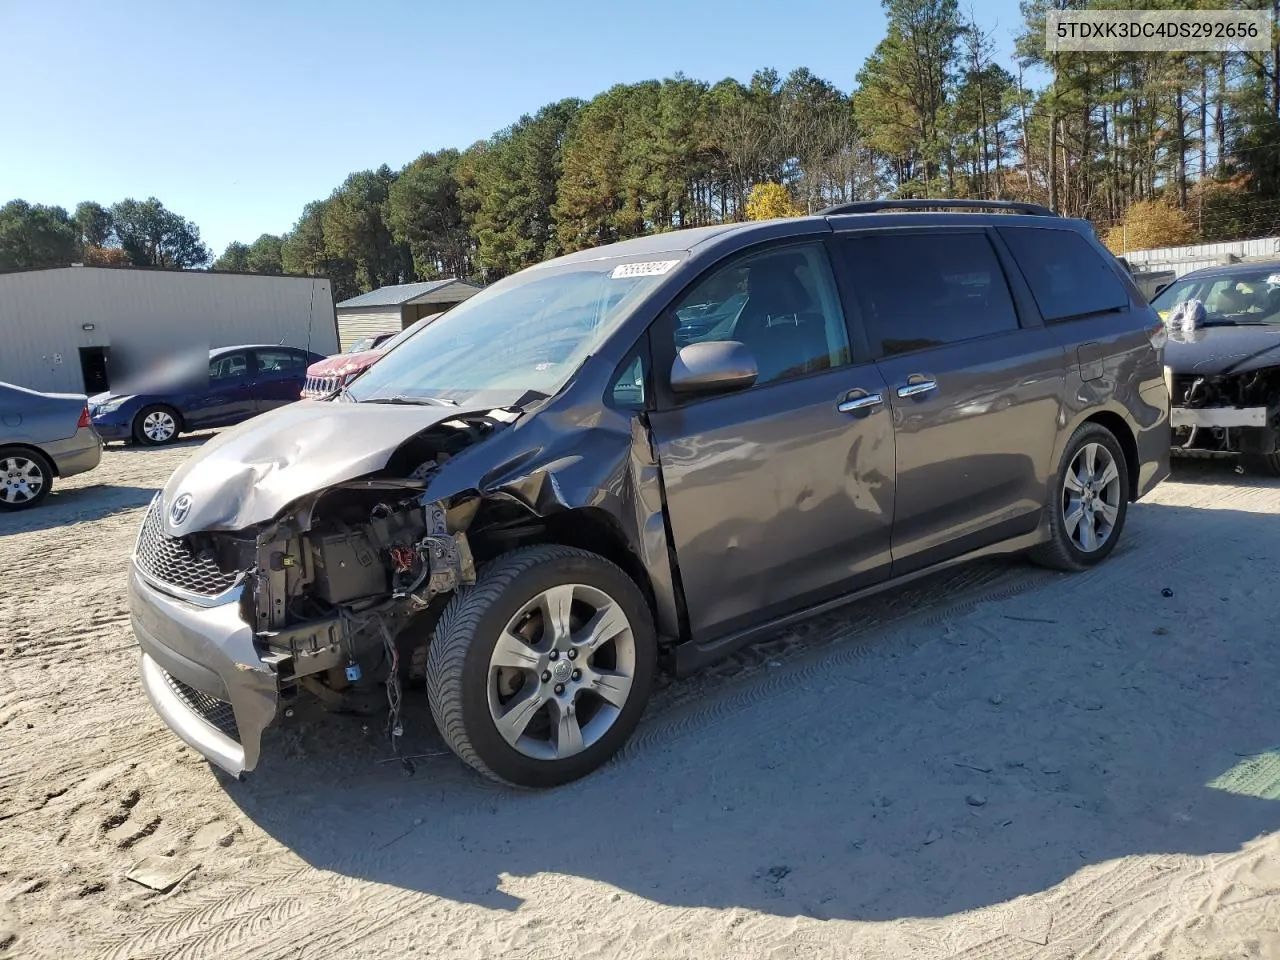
(181, 507)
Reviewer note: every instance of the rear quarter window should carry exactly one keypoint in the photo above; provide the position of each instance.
(1067, 276)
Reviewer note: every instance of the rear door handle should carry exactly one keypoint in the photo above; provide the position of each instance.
(858, 401)
(917, 387)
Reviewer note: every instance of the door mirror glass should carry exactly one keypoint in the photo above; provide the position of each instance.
(714, 366)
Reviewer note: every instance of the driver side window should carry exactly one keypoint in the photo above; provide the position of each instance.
(781, 304)
(232, 365)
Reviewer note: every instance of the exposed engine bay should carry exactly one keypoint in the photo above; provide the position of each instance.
(332, 584)
(1226, 413)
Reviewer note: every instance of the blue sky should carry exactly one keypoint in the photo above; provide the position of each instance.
(235, 114)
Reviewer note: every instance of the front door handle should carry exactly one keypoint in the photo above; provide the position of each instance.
(917, 387)
(859, 403)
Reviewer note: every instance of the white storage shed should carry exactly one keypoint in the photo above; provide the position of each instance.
(391, 309)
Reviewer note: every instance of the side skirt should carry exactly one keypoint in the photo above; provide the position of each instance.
(689, 657)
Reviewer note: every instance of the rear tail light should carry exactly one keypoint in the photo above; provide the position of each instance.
(84, 418)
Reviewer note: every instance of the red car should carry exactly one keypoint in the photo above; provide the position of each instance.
(333, 373)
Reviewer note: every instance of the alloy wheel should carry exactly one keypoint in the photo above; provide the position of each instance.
(21, 480)
(561, 672)
(1091, 497)
(159, 426)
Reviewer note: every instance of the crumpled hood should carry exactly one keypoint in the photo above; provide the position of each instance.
(249, 473)
(1218, 349)
(343, 363)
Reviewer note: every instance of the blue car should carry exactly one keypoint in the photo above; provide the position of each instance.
(243, 381)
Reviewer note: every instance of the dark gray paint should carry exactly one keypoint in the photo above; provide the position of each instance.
(1217, 350)
(751, 508)
(776, 498)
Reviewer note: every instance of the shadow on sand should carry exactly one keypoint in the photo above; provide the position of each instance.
(82, 504)
(939, 766)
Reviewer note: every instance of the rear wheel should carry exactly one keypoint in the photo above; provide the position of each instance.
(156, 425)
(538, 673)
(26, 478)
(1090, 501)
(1265, 463)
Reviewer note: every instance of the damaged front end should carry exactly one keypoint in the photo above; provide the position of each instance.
(331, 597)
(1225, 414)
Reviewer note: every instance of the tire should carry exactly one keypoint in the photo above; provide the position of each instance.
(468, 676)
(26, 477)
(1066, 548)
(157, 425)
(1267, 463)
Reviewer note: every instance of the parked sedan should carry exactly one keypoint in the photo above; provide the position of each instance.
(42, 436)
(242, 382)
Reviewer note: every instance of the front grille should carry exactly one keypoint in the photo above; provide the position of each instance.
(320, 386)
(216, 713)
(169, 561)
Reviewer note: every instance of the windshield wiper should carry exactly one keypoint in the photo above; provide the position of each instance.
(1220, 322)
(339, 393)
(402, 400)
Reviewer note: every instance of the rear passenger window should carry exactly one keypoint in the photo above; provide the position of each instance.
(278, 361)
(1067, 276)
(926, 290)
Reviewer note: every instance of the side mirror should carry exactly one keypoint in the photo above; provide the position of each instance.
(713, 367)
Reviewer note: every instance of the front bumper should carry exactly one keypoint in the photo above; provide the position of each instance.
(203, 673)
(113, 427)
(1218, 417)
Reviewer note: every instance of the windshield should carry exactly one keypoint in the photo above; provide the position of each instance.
(406, 333)
(529, 332)
(1239, 297)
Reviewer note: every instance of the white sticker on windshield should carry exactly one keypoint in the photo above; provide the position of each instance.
(650, 268)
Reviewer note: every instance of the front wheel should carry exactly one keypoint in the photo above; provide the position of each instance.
(1089, 503)
(155, 426)
(538, 673)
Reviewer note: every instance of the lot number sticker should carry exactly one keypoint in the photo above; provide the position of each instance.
(650, 268)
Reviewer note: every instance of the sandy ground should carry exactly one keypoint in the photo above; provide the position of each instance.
(996, 763)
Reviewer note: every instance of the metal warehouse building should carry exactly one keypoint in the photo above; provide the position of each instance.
(58, 326)
(393, 308)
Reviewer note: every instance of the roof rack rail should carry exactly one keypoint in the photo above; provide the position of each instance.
(875, 206)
